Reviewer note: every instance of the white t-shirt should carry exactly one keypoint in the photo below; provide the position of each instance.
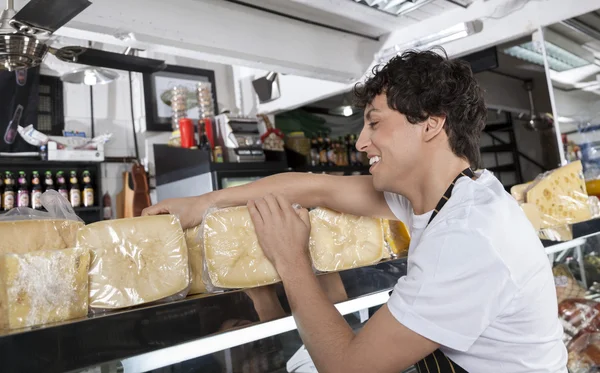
(479, 282)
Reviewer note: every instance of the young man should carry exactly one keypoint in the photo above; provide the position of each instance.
(479, 295)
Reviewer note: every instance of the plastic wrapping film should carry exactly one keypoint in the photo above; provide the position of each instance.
(193, 239)
(24, 229)
(343, 241)
(397, 237)
(581, 323)
(233, 258)
(43, 287)
(555, 200)
(567, 286)
(136, 261)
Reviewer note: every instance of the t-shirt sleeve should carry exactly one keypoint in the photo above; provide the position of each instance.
(400, 206)
(455, 287)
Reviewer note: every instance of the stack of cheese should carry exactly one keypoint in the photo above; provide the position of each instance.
(234, 258)
(556, 198)
(43, 278)
(135, 261)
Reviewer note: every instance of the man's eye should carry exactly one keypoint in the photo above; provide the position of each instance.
(373, 124)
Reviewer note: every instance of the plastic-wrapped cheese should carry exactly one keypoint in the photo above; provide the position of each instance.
(560, 196)
(233, 257)
(135, 260)
(43, 287)
(23, 236)
(194, 245)
(342, 241)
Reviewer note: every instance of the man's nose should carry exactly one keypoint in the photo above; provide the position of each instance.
(363, 141)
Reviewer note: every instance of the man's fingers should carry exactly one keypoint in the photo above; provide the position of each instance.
(303, 214)
(254, 214)
(264, 210)
(273, 205)
(285, 205)
(154, 210)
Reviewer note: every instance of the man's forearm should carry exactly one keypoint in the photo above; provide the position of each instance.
(323, 330)
(302, 188)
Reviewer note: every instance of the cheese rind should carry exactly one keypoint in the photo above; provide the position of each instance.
(43, 287)
(23, 236)
(194, 245)
(342, 241)
(560, 196)
(135, 260)
(397, 236)
(232, 255)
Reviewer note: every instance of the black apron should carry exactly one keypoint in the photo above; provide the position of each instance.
(438, 362)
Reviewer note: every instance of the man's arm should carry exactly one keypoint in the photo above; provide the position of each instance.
(349, 194)
(383, 345)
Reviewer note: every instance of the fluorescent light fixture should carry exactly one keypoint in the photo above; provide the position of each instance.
(450, 34)
(562, 53)
(395, 7)
(208, 345)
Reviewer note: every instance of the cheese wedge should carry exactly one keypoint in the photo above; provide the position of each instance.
(561, 196)
(518, 191)
(234, 258)
(135, 260)
(342, 241)
(194, 245)
(396, 236)
(533, 214)
(23, 236)
(43, 287)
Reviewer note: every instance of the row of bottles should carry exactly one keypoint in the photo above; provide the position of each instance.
(341, 152)
(25, 193)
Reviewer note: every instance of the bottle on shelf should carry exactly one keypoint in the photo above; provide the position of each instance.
(107, 206)
(36, 191)
(23, 190)
(314, 151)
(61, 184)
(88, 190)
(203, 144)
(322, 150)
(330, 151)
(74, 191)
(352, 150)
(48, 181)
(8, 197)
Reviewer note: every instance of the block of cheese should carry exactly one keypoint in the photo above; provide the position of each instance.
(135, 260)
(396, 236)
(23, 236)
(518, 191)
(533, 214)
(342, 241)
(43, 287)
(194, 245)
(560, 196)
(233, 256)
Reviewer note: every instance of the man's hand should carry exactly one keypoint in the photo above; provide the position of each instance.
(189, 210)
(282, 230)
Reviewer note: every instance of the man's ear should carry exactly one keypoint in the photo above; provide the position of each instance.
(432, 127)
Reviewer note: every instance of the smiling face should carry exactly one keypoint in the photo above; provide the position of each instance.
(394, 146)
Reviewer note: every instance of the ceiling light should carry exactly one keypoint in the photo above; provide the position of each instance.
(562, 53)
(90, 76)
(455, 32)
(400, 7)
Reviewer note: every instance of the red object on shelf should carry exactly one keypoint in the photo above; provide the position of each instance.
(208, 129)
(186, 132)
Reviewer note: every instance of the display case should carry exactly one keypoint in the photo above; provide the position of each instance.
(201, 330)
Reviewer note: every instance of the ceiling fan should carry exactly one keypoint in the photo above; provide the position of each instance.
(24, 36)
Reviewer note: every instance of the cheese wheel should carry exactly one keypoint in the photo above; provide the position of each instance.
(342, 241)
(43, 287)
(233, 256)
(194, 245)
(135, 260)
(23, 236)
(560, 196)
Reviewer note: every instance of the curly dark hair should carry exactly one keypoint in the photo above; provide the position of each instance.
(423, 83)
